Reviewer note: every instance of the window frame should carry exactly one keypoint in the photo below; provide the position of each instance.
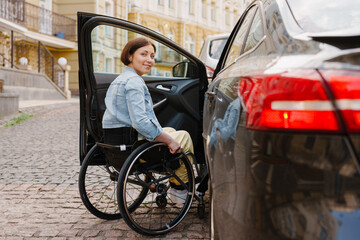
(235, 35)
(220, 67)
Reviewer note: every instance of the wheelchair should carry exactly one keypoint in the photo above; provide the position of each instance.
(140, 182)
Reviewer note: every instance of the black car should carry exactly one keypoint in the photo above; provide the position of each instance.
(278, 127)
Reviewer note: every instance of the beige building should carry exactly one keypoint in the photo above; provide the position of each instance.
(187, 22)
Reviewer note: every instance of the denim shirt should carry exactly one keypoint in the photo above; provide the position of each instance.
(128, 104)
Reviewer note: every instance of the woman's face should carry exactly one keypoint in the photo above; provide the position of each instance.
(142, 59)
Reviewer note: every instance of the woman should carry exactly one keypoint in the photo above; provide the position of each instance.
(128, 103)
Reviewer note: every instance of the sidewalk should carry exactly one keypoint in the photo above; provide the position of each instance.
(37, 103)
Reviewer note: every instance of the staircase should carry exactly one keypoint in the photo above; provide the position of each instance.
(42, 79)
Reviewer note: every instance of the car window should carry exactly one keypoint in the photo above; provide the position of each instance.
(325, 16)
(107, 43)
(255, 33)
(237, 44)
(216, 48)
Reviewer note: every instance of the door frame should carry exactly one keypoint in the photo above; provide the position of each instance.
(87, 87)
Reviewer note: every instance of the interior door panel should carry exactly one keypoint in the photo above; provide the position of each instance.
(173, 100)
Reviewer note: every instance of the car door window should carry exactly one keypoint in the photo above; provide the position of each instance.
(238, 42)
(106, 51)
(255, 33)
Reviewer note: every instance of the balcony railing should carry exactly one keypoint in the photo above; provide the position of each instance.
(14, 46)
(13, 10)
(38, 19)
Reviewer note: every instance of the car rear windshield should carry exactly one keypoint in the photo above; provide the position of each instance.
(216, 47)
(326, 15)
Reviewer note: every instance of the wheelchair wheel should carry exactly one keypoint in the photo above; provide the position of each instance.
(164, 206)
(97, 186)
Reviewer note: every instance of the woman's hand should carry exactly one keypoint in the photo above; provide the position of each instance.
(174, 147)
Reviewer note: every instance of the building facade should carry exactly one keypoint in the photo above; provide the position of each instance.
(187, 22)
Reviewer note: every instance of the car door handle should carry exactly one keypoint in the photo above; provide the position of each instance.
(164, 87)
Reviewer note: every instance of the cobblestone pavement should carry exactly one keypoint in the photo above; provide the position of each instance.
(39, 197)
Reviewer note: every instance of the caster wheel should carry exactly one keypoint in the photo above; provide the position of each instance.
(161, 201)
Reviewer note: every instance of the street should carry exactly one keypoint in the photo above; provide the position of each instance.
(39, 198)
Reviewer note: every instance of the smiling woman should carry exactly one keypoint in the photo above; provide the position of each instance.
(129, 105)
(139, 55)
(128, 101)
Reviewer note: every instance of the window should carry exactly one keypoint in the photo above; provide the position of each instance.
(45, 16)
(255, 33)
(109, 65)
(227, 16)
(171, 35)
(105, 59)
(203, 8)
(216, 47)
(171, 3)
(158, 53)
(190, 44)
(191, 6)
(161, 2)
(212, 10)
(109, 12)
(238, 41)
(235, 16)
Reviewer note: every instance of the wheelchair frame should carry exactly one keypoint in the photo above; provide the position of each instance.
(144, 167)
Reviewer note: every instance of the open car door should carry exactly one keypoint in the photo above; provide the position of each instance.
(177, 82)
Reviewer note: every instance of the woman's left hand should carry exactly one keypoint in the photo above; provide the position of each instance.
(174, 147)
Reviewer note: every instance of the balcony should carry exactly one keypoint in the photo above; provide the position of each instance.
(38, 19)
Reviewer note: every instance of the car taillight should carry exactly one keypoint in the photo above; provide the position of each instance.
(209, 72)
(345, 87)
(293, 100)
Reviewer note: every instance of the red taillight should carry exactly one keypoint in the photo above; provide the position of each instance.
(295, 101)
(209, 72)
(345, 86)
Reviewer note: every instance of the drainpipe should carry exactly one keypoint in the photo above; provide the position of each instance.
(12, 48)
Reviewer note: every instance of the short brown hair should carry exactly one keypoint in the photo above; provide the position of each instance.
(132, 46)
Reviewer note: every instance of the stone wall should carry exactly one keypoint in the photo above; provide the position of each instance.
(29, 86)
